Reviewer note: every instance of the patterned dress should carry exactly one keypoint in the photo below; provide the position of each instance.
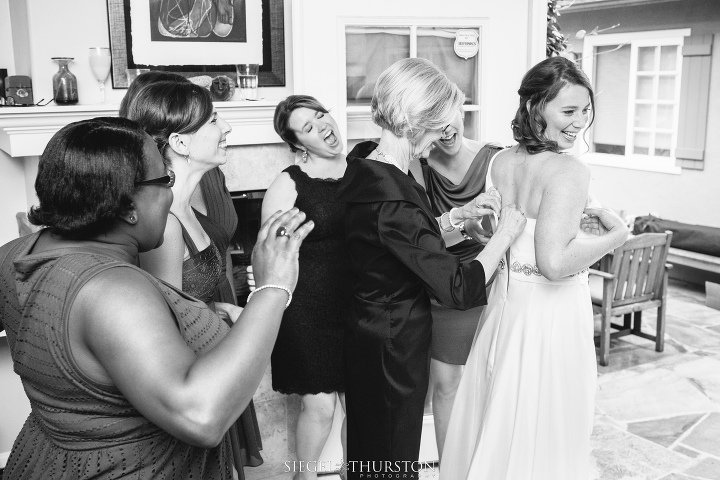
(204, 277)
(308, 353)
(78, 428)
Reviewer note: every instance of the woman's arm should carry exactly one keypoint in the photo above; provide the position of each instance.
(559, 250)
(135, 343)
(166, 261)
(280, 196)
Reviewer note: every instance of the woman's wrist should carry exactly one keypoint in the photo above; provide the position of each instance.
(456, 216)
(274, 289)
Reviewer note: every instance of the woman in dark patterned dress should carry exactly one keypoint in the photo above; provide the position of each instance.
(308, 355)
(192, 138)
(128, 377)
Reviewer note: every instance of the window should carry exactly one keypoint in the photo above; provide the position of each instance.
(637, 79)
(371, 49)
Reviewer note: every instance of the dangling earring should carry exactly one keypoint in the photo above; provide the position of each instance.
(304, 156)
(187, 157)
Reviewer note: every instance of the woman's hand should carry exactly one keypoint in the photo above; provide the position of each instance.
(511, 222)
(603, 221)
(228, 311)
(275, 256)
(474, 227)
(484, 204)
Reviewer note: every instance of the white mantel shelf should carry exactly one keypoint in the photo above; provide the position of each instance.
(25, 131)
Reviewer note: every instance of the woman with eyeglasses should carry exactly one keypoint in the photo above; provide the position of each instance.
(127, 376)
(192, 139)
(398, 260)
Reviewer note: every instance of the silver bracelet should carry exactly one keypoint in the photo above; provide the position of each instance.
(272, 286)
(465, 235)
(450, 227)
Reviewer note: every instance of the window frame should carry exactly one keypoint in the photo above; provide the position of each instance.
(636, 40)
(359, 120)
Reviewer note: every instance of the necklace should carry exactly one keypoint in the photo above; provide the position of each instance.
(385, 158)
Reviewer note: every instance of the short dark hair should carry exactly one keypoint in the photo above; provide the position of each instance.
(282, 116)
(87, 174)
(540, 85)
(146, 79)
(164, 108)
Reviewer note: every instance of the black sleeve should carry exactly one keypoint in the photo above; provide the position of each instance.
(406, 232)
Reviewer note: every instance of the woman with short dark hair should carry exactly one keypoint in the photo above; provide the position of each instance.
(308, 356)
(127, 375)
(524, 407)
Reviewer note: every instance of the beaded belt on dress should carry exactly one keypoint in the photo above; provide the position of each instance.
(530, 270)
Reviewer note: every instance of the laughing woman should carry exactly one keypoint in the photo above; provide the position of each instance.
(308, 356)
(192, 139)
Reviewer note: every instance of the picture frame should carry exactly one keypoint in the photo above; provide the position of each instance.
(271, 72)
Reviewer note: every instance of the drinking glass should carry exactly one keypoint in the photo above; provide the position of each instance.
(247, 79)
(100, 61)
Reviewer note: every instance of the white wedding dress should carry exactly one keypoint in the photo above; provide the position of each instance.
(524, 407)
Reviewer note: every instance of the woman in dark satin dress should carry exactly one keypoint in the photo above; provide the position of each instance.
(192, 138)
(398, 259)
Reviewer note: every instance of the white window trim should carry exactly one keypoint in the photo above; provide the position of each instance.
(635, 39)
(359, 123)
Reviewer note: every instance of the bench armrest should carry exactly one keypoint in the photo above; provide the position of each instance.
(601, 274)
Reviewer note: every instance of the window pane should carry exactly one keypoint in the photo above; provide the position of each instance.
(369, 51)
(644, 89)
(436, 45)
(472, 125)
(612, 85)
(662, 144)
(666, 88)
(668, 58)
(664, 117)
(646, 59)
(642, 143)
(643, 116)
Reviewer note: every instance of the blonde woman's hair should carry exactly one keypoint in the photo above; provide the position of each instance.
(413, 96)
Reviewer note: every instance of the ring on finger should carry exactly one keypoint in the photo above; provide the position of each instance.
(282, 232)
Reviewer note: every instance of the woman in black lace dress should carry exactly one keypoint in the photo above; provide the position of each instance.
(192, 139)
(308, 355)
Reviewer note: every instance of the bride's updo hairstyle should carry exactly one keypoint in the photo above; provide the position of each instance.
(540, 85)
(413, 96)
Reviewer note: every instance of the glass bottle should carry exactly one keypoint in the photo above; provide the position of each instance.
(64, 83)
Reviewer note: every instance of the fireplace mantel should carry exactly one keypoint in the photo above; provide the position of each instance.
(25, 131)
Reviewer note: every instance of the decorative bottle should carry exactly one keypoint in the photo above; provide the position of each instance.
(64, 83)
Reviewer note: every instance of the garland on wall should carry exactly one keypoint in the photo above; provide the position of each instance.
(556, 40)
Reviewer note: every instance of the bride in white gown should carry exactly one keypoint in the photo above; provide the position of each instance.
(524, 407)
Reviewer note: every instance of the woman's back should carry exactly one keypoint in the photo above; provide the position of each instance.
(78, 427)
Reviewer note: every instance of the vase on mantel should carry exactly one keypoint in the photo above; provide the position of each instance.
(64, 83)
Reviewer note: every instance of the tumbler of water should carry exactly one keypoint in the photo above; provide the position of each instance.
(247, 79)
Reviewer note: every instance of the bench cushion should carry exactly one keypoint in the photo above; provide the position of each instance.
(694, 238)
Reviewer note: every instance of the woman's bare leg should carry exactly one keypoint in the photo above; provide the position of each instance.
(444, 380)
(314, 425)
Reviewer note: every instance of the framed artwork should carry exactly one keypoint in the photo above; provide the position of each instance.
(206, 39)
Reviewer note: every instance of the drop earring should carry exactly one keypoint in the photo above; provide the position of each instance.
(304, 156)
(187, 157)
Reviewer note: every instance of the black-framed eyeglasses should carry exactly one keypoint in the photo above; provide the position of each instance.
(166, 180)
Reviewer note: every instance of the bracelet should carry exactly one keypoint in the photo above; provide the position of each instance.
(464, 233)
(455, 225)
(450, 226)
(272, 286)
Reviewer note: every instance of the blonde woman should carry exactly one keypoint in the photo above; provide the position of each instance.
(398, 260)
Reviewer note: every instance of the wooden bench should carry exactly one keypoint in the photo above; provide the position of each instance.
(703, 262)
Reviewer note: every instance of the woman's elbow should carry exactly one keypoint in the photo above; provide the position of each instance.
(203, 430)
(550, 269)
